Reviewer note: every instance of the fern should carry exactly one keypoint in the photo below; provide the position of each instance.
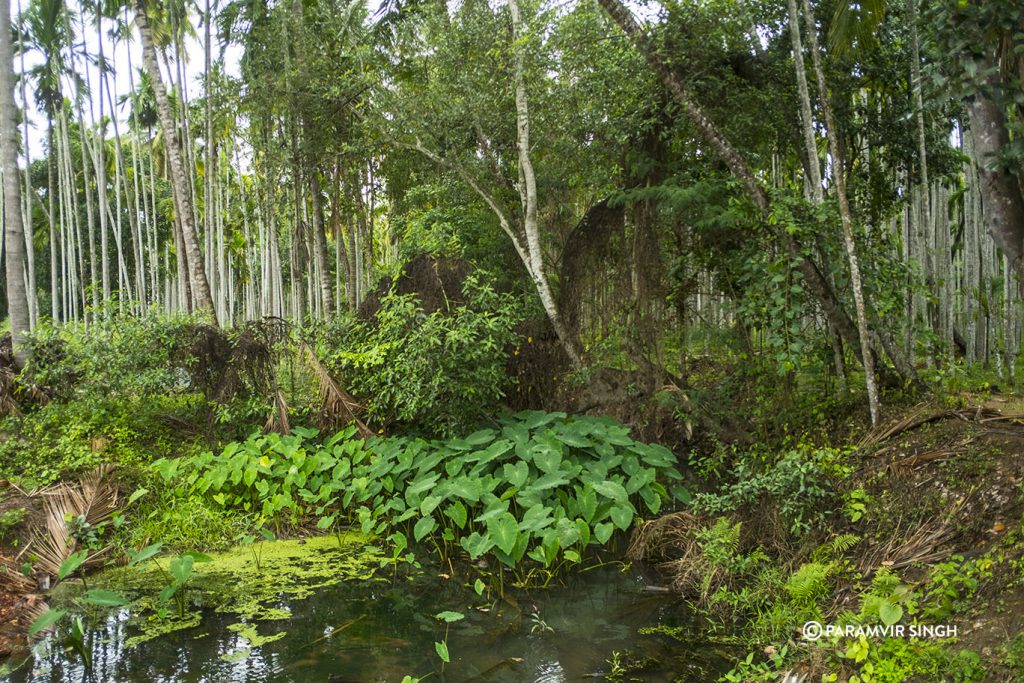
(810, 583)
(835, 548)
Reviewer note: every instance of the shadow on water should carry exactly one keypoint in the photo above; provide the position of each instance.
(366, 632)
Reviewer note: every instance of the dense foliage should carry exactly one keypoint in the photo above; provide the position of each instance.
(542, 486)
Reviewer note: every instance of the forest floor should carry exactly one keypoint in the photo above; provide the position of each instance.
(948, 484)
(934, 499)
(23, 514)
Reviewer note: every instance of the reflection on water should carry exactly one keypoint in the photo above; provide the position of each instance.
(366, 632)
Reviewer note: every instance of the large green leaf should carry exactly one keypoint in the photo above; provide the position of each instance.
(603, 532)
(622, 515)
(536, 518)
(516, 473)
(180, 568)
(71, 563)
(449, 617)
(640, 479)
(466, 488)
(504, 530)
(586, 499)
(421, 485)
(546, 458)
(45, 621)
(481, 437)
(144, 554)
(423, 528)
(549, 481)
(611, 489)
(457, 513)
(476, 544)
(105, 598)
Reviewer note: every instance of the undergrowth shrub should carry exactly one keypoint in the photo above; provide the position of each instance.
(60, 440)
(114, 355)
(799, 483)
(181, 522)
(542, 486)
(439, 373)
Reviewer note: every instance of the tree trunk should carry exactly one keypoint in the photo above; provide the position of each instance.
(14, 233)
(806, 115)
(528, 191)
(846, 218)
(320, 238)
(1000, 190)
(179, 182)
(816, 283)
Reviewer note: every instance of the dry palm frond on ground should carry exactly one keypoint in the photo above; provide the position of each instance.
(92, 497)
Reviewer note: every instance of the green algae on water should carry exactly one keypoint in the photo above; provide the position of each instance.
(232, 584)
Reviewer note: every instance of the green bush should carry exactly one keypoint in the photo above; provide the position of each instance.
(799, 483)
(540, 485)
(60, 440)
(181, 522)
(439, 372)
(114, 355)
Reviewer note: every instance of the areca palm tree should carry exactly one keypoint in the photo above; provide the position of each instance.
(179, 181)
(17, 298)
(45, 30)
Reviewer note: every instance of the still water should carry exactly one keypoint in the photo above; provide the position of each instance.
(375, 631)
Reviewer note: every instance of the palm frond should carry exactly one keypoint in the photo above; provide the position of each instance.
(92, 497)
(337, 405)
(278, 420)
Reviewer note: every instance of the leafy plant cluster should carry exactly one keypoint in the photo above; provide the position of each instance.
(543, 486)
(438, 372)
(884, 601)
(61, 439)
(116, 354)
(799, 483)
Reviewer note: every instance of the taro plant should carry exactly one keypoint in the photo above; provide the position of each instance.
(178, 572)
(535, 493)
(75, 638)
(255, 544)
(441, 646)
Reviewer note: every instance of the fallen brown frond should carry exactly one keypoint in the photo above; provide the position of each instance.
(337, 405)
(92, 497)
(924, 545)
(8, 384)
(278, 420)
(924, 414)
(12, 578)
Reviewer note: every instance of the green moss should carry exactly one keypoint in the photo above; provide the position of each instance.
(232, 583)
(155, 626)
(248, 631)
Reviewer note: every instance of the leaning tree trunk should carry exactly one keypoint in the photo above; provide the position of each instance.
(17, 298)
(179, 181)
(815, 281)
(846, 218)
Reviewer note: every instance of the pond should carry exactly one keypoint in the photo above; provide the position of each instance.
(342, 628)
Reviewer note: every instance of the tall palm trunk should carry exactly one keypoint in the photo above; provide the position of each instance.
(320, 239)
(179, 183)
(14, 233)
